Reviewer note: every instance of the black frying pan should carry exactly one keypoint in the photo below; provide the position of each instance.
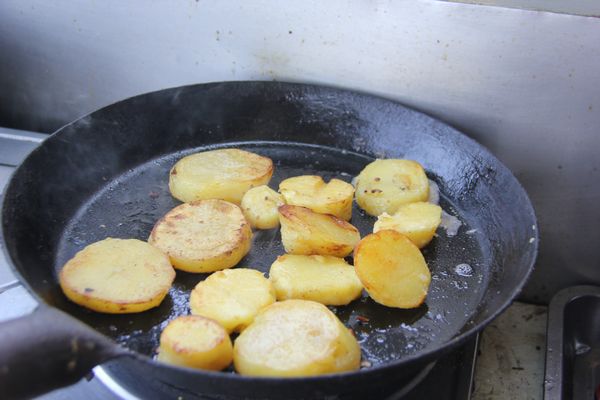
(106, 174)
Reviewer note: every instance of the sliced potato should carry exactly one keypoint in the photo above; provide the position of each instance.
(232, 297)
(311, 191)
(117, 276)
(203, 236)
(304, 231)
(417, 221)
(224, 174)
(260, 205)
(324, 279)
(385, 185)
(295, 338)
(195, 342)
(392, 269)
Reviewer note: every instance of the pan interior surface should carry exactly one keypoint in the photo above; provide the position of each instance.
(128, 207)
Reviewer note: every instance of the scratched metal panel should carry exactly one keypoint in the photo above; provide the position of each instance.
(6, 274)
(524, 83)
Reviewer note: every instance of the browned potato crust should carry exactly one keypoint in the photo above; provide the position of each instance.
(392, 269)
(195, 342)
(304, 231)
(203, 236)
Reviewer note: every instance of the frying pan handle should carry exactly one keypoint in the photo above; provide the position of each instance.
(46, 350)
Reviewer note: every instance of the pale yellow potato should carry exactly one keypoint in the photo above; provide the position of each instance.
(417, 221)
(195, 342)
(224, 174)
(324, 279)
(232, 297)
(117, 276)
(311, 191)
(203, 236)
(304, 231)
(295, 338)
(260, 205)
(385, 185)
(392, 269)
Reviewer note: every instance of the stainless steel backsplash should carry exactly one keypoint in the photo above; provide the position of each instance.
(525, 84)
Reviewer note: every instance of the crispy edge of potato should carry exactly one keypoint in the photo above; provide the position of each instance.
(187, 190)
(301, 235)
(201, 304)
(217, 357)
(241, 243)
(107, 306)
(286, 287)
(376, 267)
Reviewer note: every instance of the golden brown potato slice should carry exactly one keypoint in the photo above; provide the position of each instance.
(195, 342)
(117, 276)
(385, 185)
(417, 221)
(311, 191)
(232, 297)
(260, 205)
(324, 279)
(304, 231)
(392, 269)
(203, 236)
(295, 338)
(224, 174)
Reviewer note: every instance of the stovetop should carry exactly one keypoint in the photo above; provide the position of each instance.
(451, 377)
